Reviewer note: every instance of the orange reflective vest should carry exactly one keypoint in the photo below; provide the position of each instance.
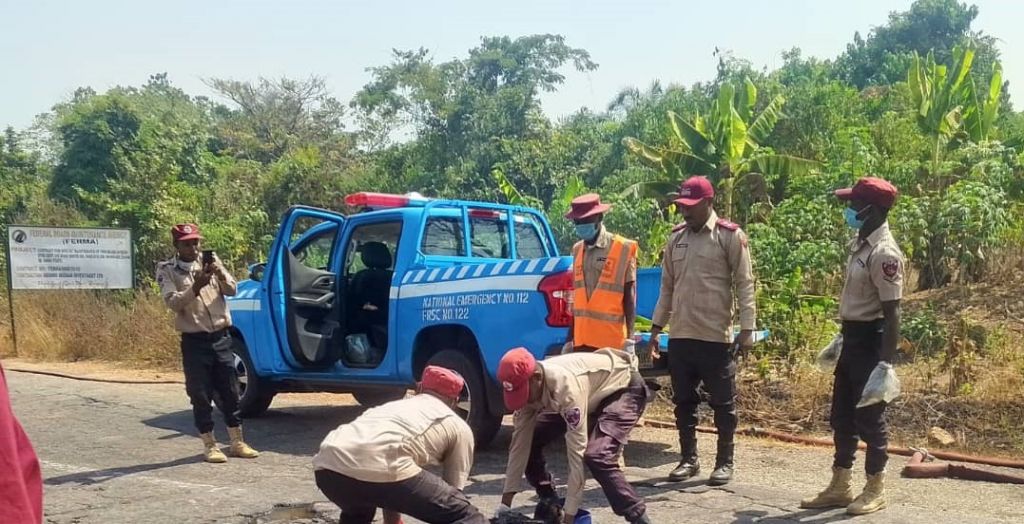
(599, 320)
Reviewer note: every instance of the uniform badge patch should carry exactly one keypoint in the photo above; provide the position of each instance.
(572, 417)
(890, 268)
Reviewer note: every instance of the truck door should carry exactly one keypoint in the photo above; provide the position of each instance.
(304, 292)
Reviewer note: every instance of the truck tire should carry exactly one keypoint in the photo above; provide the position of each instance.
(473, 403)
(254, 393)
(375, 397)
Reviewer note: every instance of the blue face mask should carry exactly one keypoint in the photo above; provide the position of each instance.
(586, 231)
(851, 217)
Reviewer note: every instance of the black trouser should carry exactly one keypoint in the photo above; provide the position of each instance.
(692, 362)
(862, 343)
(609, 427)
(425, 497)
(210, 368)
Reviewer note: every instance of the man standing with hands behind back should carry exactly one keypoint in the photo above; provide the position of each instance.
(195, 289)
(706, 264)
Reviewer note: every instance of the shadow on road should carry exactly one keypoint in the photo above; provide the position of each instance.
(290, 430)
(103, 475)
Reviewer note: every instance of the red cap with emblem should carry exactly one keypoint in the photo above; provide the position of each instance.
(872, 190)
(442, 381)
(185, 232)
(514, 372)
(694, 190)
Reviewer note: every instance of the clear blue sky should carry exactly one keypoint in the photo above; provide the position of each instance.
(48, 48)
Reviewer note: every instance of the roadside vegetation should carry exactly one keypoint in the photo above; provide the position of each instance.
(919, 100)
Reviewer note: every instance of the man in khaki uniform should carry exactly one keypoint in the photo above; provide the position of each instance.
(705, 268)
(593, 399)
(377, 460)
(195, 293)
(870, 311)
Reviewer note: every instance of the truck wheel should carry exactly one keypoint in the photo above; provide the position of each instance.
(254, 393)
(376, 397)
(473, 401)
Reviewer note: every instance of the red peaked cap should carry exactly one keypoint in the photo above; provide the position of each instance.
(694, 190)
(514, 372)
(442, 381)
(872, 190)
(185, 232)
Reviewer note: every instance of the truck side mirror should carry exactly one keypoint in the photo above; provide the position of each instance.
(256, 271)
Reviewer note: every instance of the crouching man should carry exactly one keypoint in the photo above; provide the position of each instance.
(376, 460)
(594, 400)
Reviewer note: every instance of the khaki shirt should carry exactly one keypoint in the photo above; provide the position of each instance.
(393, 442)
(874, 274)
(574, 384)
(699, 271)
(205, 313)
(594, 257)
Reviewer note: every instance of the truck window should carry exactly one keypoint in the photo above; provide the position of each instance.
(312, 241)
(528, 240)
(385, 233)
(489, 237)
(443, 237)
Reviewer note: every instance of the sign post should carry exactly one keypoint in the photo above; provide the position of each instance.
(10, 295)
(67, 258)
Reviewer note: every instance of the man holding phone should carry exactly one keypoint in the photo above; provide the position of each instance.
(194, 287)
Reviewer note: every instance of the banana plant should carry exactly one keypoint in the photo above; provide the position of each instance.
(981, 114)
(724, 145)
(939, 99)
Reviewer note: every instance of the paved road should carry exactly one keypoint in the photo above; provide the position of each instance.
(118, 453)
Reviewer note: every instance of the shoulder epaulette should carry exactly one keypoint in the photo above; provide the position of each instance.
(723, 223)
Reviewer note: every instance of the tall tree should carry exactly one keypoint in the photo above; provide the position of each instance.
(461, 111)
(939, 25)
(275, 116)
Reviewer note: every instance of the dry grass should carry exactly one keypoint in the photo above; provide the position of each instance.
(987, 420)
(69, 326)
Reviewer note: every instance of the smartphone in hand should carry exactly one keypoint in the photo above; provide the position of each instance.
(208, 257)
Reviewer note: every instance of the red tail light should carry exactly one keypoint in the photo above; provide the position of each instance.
(557, 290)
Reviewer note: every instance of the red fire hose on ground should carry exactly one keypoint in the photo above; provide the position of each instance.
(918, 467)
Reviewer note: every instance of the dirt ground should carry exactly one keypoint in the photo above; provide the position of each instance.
(120, 453)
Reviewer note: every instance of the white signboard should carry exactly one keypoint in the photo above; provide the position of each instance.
(69, 258)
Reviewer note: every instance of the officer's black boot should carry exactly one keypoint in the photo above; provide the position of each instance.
(643, 519)
(723, 464)
(689, 465)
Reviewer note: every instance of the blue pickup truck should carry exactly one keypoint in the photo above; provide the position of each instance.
(361, 303)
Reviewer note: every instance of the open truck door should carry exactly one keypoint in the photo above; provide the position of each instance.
(304, 292)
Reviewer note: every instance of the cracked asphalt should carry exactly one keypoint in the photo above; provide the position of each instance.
(124, 453)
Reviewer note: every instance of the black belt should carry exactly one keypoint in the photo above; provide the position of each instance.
(206, 335)
(861, 326)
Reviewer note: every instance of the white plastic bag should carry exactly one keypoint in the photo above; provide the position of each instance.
(358, 348)
(883, 386)
(829, 356)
